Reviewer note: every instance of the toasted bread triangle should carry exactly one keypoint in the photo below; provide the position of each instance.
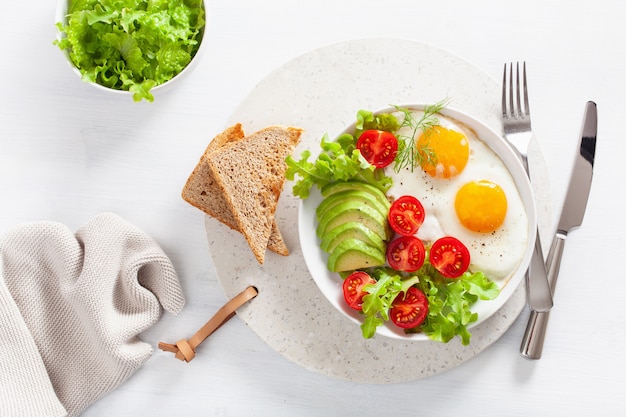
(202, 192)
(251, 174)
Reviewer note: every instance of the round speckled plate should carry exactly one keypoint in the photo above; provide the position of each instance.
(321, 92)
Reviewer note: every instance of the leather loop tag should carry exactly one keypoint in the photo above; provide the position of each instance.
(185, 350)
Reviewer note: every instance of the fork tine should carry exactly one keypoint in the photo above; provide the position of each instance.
(505, 113)
(512, 112)
(518, 110)
(526, 107)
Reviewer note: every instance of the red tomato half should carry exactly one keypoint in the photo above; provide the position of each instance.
(450, 257)
(406, 215)
(406, 253)
(378, 147)
(410, 310)
(353, 288)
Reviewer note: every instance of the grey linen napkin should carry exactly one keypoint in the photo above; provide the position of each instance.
(72, 307)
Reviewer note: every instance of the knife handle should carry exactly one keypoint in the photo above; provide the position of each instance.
(535, 334)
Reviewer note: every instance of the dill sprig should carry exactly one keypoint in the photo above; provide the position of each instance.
(409, 155)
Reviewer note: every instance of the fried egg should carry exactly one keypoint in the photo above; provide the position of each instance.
(467, 192)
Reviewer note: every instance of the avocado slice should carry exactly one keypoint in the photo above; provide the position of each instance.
(338, 187)
(363, 197)
(354, 254)
(354, 211)
(352, 230)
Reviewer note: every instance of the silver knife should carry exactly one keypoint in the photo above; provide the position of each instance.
(571, 218)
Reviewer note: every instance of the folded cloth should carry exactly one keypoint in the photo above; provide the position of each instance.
(72, 307)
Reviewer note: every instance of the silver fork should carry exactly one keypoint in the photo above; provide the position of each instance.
(517, 130)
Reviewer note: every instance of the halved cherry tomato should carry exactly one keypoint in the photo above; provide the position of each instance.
(353, 288)
(378, 147)
(409, 310)
(406, 215)
(406, 253)
(450, 257)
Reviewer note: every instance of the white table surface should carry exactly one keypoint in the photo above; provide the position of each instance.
(68, 152)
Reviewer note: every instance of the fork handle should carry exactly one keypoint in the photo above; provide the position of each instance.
(538, 291)
(537, 287)
(524, 160)
(535, 334)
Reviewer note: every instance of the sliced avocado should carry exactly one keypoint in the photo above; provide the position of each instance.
(338, 187)
(354, 254)
(363, 197)
(352, 230)
(354, 211)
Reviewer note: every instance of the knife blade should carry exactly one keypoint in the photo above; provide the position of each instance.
(572, 214)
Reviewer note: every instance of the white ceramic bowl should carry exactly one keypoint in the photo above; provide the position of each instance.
(61, 16)
(330, 284)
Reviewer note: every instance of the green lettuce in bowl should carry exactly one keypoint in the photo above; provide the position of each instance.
(133, 46)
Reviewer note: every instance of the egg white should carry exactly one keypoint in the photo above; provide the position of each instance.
(496, 254)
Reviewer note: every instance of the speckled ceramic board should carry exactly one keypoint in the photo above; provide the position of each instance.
(321, 92)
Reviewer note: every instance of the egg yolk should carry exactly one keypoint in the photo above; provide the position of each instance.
(481, 206)
(444, 152)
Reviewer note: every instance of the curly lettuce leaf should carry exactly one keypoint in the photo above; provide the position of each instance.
(132, 45)
(450, 302)
(367, 120)
(338, 161)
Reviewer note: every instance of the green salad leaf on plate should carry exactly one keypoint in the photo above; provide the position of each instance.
(132, 45)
